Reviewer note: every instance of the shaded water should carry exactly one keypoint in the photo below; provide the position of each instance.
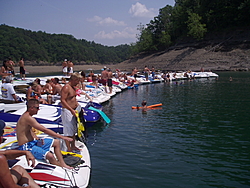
(200, 137)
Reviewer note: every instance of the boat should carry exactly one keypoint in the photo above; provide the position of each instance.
(50, 115)
(48, 175)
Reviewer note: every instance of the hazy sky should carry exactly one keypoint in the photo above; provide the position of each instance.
(108, 22)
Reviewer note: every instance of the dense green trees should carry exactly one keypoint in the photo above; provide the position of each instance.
(193, 18)
(54, 48)
(187, 18)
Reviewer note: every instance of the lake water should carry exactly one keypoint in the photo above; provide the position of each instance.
(200, 138)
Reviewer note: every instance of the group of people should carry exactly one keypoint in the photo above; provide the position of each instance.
(52, 89)
(67, 67)
(30, 145)
(7, 68)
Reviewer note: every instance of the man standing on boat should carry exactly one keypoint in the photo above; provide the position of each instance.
(109, 81)
(22, 70)
(28, 140)
(146, 72)
(65, 68)
(104, 78)
(70, 107)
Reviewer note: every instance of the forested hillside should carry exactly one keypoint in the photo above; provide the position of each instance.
(54, 48)
(191, 20)
(187, 21)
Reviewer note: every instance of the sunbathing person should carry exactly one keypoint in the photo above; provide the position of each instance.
(27, 139)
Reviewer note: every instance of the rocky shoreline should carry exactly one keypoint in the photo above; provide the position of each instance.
(223, 52)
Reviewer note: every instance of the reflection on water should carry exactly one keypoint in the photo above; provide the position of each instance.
(200, 137)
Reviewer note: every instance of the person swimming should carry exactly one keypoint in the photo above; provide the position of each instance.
(144, 104)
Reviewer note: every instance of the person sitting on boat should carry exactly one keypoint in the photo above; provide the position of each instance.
(17, 176)
(57, 87)
(8, 91)
(94, 81)
(27, 139)
(81, 84)
(5, 70)
(34, 92)
(48, 89)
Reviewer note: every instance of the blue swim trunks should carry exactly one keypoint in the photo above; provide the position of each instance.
(39, 152)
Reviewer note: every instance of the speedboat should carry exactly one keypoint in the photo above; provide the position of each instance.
(48, 175)
(50, 115)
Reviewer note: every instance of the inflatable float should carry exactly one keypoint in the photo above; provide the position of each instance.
(151, 106)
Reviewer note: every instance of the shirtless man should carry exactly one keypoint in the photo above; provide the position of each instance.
(27, 139)
(69, 107)
(22, 70)
(104, 78)
(17, 176)
(109, 82)
(57, 87)
(134, 73)
(146, 72)
(48, 89)
(11, 66)
(34, 92)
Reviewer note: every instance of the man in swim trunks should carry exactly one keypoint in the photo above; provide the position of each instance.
(104, 78)
(69, 107)
(65, 68)
(22, 70)
(27, 139)
(17, 176)
(109, 81)
(146, 72)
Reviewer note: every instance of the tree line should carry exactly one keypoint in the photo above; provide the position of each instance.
(193, 19)
(187, 18)
(53, 48)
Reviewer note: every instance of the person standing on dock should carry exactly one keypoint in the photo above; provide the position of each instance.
(21, 69)
(70, 108)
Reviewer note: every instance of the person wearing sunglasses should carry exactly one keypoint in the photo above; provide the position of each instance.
(28, 140)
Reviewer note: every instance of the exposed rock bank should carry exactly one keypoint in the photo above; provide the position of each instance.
(229, 52)
(219, 52)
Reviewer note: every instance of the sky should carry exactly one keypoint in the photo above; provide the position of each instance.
(106, 22)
